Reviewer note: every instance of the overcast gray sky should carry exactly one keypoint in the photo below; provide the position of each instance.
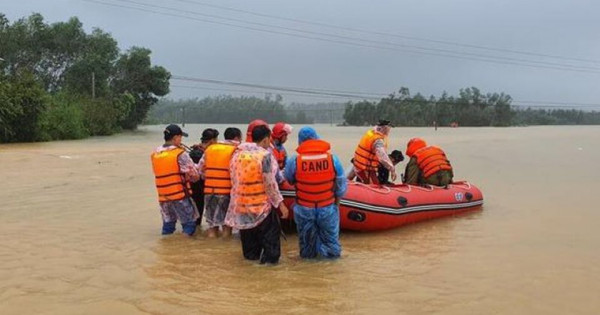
(186, 47)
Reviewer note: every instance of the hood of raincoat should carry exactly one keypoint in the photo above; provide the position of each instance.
(307, 133)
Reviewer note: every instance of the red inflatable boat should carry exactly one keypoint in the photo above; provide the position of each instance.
(372, 208)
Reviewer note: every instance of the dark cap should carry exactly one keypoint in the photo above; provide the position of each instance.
(383, 122)
(209, 134)
(173, 130)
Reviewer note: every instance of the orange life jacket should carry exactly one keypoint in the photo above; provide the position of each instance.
(365, 157)
(216, 162)
(280, 156)
(315, 174)
(249, 189)
(168, 177)
(432, 159)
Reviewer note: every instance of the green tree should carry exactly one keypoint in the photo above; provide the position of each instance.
(9, 111)
(136, 75)
(103, 116)
(46, 81)
(98, 56)
(63, 119)
(26, 101)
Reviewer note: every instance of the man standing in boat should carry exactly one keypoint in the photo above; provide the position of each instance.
(174, 170)
(428, 165)
(371, 152)
(320, 184)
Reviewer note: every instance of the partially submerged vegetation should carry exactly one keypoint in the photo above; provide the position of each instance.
(469, 108)
(59, 82)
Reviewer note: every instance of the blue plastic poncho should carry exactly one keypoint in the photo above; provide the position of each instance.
(318, 229)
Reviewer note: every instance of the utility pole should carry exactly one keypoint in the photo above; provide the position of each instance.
(435, 118)
(183, 116)
(331, 117)
(93, 85)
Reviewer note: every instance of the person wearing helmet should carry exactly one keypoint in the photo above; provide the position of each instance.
(281, 131)
(428, 165)
(371, 152)
(253, 124)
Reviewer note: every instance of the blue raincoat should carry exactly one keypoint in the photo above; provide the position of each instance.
(318, 229)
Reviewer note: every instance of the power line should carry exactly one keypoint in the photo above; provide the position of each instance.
(389, 34)
(257, 92)
(271, 87)
(278, 88)
(425, 49)
(484, 58)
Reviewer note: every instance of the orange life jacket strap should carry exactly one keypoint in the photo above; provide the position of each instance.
(250, 183)
(315, 192)
(167, 175)
(313, 182)
(167, 185)
(258, 193)
(315, 204)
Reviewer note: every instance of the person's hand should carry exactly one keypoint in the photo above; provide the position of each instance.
(285, 212)
(394, 175)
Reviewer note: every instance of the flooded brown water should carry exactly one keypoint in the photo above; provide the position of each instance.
(81, 235)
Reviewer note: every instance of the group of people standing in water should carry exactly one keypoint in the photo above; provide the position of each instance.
(234, 185)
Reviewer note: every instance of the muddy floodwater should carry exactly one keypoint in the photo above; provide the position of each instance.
(80, 234)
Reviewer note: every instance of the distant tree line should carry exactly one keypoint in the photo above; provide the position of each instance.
(469, 108)
(59, 82)
(531, 116)
(242, 109)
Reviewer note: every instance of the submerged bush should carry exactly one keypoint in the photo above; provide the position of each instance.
(64, 119)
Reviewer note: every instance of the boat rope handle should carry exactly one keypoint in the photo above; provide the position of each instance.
(462, 185)
(426, 188)
(378, 189)
(397, 188)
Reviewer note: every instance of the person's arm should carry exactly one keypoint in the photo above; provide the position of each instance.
(278, 173)
(187, 166)
(383, 158)
(351, 174)
(289, 170)
(341, 182)
(285, 156)
(411, 176)
(271, 185)
(382, 155)
(201, 166)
